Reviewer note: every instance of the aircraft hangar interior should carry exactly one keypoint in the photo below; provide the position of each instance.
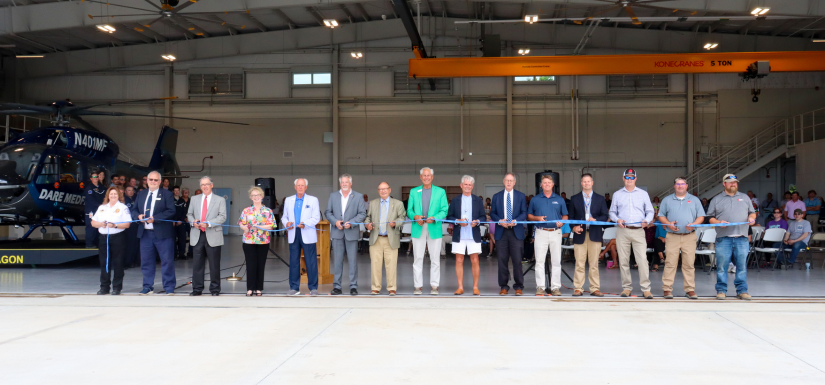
(388, 191)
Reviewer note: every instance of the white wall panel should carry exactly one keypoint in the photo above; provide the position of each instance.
(267, 85)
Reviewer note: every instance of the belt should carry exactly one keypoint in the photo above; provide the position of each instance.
(632, 228)
(545, 229)
(685, 233)
(381, 235)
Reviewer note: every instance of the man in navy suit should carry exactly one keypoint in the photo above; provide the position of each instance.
(509, 205)
(587, 239)
(157, 237)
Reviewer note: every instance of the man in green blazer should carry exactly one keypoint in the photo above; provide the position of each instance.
(385, 218)
(426, 204)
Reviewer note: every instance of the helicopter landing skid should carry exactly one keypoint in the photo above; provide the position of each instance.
(66, 229)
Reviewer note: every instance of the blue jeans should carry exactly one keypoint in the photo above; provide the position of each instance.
(795, 249)
(311, 259)
(736, 249)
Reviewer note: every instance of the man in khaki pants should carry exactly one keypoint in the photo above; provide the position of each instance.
(384, 220)
(632, 211)
(587, 241)
(678, 212)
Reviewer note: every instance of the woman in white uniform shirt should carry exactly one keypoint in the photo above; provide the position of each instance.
(106, 220)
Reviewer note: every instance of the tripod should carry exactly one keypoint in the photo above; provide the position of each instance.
(546, 274)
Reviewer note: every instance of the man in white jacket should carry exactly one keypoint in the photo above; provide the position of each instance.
(302, 213)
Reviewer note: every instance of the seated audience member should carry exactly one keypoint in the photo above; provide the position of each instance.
(796, 238)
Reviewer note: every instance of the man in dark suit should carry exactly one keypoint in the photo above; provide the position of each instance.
(508, 206)
(587, 240)
(469, 209)
(157, 237)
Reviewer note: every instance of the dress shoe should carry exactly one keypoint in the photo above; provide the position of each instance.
(691, 295)
(353, 291)
(476, 291)
(596, 293)
(519, 292)
(555, 292)
(625, 293)
(459, 292)
(115, 292)
(374, 292)
(216, 294)
(647, 294)
(668, 294)
(392, 293)
(102, 292)
(336, 292)
(503, 292)
(577, 293)
(195, 294)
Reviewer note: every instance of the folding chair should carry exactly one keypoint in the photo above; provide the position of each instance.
(706, 237)
(758, 232)
(772, 236)
(406, 237)
(365, 238)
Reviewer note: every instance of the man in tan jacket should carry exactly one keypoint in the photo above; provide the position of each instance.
(384, 220)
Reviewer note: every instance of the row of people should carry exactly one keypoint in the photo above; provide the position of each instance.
(631, 209)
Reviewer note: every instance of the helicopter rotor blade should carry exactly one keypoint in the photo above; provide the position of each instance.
(134, 14)
(75, 109)
(29, 107)
(84, 123)
(183, 6)
(100, 113)
(15, 112)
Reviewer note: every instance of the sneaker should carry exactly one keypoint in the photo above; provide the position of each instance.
(418, 291)
(731, 268)
(539, 291)
(744, 296)
(336, 292)
(721, 296)
(434, 291)
(555, 292)
(313, 292)
(146, 292)
(169, 293)
(353, 291)
(294, 292)
(392, 293)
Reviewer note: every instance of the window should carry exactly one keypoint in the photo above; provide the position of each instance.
(320, 78)
(62, 169)
(216, 84)
(403, 84)
(637, 83)
(535, 79)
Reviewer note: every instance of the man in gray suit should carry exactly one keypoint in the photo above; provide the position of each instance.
(344, 207)
(206, 213)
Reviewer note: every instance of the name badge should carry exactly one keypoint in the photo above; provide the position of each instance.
(555, 203)
(419, 190)
(117, 211)
(157, 199)
(307, 206)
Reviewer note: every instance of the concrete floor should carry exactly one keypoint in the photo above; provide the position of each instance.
(88, 339)
(82, 277)
(54, 330)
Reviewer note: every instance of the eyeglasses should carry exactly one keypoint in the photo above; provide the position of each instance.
(630, 178)
(681, 184)
(383, 189)
(94, 176)
(154, 180)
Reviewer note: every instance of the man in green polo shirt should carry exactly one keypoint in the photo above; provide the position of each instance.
(427, 203)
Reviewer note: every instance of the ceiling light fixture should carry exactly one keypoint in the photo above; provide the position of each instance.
(332, 23)
(524, 51)
(106, 28)
(357, 55)
(818, 40)
(531, 18)
(711, 45)
(760, 11)
(28, 56)
(169, 57)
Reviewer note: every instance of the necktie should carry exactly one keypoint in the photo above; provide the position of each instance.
(203, 213)
(509, 208)
(382, 228)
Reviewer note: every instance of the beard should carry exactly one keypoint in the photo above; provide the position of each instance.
(731, 189)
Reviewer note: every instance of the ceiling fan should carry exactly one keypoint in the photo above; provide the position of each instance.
(169, 10)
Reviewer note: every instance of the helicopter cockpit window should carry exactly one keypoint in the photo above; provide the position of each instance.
(60, 139)
(59, 169)
(25, 159)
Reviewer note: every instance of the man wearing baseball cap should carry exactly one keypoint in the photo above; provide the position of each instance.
(731, 241)
(632, 210)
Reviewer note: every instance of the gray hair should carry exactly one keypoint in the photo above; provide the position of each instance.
(511, 174)
(348, 176)
(205, 177)
(306, 182)
(469, 178)
(182, 189)
(426, 168)
(154, 172)
(679, 179)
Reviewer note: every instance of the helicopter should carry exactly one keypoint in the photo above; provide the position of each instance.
(43, 172)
